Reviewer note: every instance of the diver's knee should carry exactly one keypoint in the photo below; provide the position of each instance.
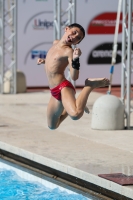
(76, 116)
(51, 127)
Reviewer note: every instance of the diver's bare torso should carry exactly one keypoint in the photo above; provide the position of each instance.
(56, 63)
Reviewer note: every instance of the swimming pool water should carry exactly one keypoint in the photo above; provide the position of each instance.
(12, 187)
(20, 183)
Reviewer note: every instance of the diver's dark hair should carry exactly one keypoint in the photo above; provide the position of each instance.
(79, 26)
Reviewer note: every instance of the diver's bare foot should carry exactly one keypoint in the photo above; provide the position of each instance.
(97, 82)
(86, 109)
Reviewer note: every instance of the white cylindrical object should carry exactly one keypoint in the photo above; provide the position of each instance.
(108, 113)
(21, 82)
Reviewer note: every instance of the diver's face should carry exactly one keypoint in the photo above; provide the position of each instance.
(73, 35)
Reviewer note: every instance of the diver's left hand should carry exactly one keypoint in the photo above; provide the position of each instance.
(76, 53)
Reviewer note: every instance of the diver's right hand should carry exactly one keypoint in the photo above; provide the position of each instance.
(40, 61)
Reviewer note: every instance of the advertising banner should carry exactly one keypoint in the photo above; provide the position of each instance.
(99, 20)
(35, 37)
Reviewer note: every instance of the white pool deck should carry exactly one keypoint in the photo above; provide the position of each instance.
(73, 148)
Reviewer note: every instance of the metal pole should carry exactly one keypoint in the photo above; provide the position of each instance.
(55, 19)
(74, 12)
(127, 66)
(114, 52)
(123, 52)
(15, 46)
(59, 19)
(8, 10)
(1, 44)
(70, 12)
(129, 61)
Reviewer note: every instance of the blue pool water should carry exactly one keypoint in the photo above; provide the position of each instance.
(12, 187)
(20, 183)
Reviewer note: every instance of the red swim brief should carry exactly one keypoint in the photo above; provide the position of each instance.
(56, 91)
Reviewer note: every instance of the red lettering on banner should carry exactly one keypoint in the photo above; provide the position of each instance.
(104, 24)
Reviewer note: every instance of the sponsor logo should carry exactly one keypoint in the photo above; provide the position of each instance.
(104, 24)
(45, 24)
(102, 54)
(39, 24)
(33, 53)
(38, 54)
